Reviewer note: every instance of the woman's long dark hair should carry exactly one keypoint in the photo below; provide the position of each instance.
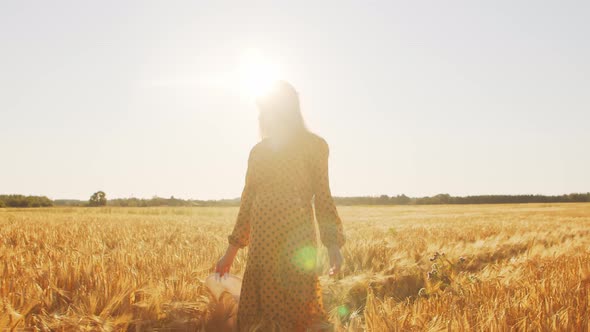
(280, 114)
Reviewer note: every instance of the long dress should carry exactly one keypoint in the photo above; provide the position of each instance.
(284, 186)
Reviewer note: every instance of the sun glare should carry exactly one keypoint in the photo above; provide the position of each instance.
(257, 74)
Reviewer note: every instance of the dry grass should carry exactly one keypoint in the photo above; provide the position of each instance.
(500, 267)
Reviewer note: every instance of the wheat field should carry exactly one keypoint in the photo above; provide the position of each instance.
(407, 268)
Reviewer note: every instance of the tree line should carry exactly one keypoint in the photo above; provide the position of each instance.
(22, 201)
(99, 199)
(448, 199)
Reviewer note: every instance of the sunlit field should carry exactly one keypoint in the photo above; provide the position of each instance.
(476, 267)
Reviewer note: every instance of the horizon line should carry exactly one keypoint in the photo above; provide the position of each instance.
(334, 196)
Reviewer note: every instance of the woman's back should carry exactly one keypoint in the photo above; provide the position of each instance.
(287, 168)
(276, 220)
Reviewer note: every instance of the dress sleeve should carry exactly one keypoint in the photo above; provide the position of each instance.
(240, 236)
(330, 224)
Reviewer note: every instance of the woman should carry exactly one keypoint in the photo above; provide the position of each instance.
(287, 169)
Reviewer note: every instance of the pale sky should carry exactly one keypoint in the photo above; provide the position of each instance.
(139, 98)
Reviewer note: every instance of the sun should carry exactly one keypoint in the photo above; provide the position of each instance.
(257, 74)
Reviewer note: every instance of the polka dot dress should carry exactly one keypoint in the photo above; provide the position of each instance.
(280, 289)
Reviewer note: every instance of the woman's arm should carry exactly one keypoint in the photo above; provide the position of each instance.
(330, 224)
(240, 236)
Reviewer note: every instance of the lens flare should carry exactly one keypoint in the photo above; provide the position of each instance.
(257, 74)
(305, 258)
(343, 311)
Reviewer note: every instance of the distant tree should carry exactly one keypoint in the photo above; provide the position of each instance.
(99, 198)
(403, 199)
(442, 199)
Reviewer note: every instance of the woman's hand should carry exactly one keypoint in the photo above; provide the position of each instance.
(225, 262)
(335, 260)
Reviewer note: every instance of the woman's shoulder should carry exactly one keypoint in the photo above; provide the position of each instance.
(318, 143)
(264, 146)
(309, 141)
(257, 147)
(316, 140)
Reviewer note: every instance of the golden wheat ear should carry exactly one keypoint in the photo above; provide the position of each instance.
(224, 314)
